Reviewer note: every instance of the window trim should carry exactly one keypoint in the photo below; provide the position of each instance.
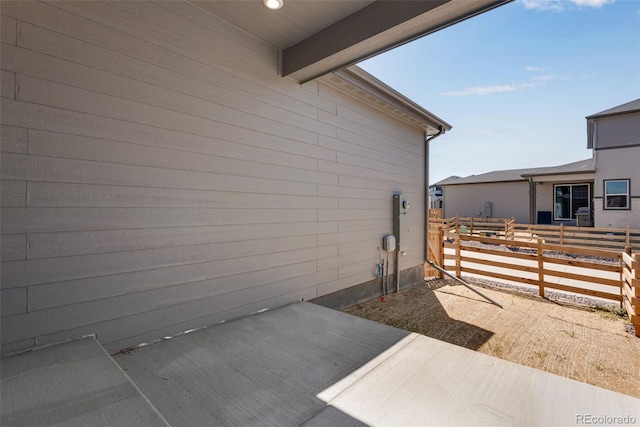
(604, 195)
(571, 185)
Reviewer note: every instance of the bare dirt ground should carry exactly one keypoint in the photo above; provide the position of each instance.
(578, 342)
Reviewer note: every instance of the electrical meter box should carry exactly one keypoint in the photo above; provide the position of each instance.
(389, 243)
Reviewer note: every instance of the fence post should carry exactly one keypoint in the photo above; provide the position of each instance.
(628, 240)
(540, 268)
(471, 226)
(441, 253)
(456, 224)
(636, 291)
(562, 233)
(458, 255)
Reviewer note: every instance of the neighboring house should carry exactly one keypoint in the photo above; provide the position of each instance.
(614, 136)
(435, 197)
(170, 165)
(546, 195)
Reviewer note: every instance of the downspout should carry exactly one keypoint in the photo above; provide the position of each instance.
(532, 201)
(426, 190)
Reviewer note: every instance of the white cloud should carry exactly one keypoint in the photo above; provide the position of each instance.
(481, 90)
(484, 131)
(545, 78)
(531, 68)
(559, 5)
(488, 90)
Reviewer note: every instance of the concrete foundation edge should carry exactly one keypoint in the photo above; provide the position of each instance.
(366, 291)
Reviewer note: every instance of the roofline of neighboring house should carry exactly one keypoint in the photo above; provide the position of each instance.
(482, 182)
(546, 171)
(356, 82)
(619, 113)
(606, 112)
(526, 175)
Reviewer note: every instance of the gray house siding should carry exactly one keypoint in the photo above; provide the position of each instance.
(157, 175)
(621, 163)
(617, 131)
(509, 199)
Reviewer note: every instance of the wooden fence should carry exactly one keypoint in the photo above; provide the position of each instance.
(631, 288)
(621, 239)
(534, 259)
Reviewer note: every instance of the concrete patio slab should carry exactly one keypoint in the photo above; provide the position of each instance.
(71, 384)
(266, 369)
(308, 365)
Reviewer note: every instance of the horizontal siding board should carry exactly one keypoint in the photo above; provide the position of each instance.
(359, 269)
(367, 115)
(13, 301)
(344, 260)
(342, 283)
(8, 84)
(145, 327)
(385, 146)
(41, 117)
(189, 95)
(13, 247)
(33, 220)
(13, 193)
(14, 139)
(353, 214)
(48, 270)
(45, 245)
(229, 158)
(47, 321)
(235, 270)
(368, 153)
(45, 194)
(221, 119)
(348, 237)
(55, 19)
(198, 98)
(352, 192)
(277, 86)
(375, 119)
(8, 32)
(370, 133)
(370, 224)
(71, 49)
(378, 166)
(379, 184)
(126, 23)
(361, 172)
(356, 203)
(47, 169)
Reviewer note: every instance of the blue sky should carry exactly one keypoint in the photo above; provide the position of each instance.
(517, 82)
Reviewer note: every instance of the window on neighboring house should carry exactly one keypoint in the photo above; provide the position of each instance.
(568, 198)
(616, 194)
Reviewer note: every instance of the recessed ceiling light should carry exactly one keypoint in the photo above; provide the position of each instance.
(273, 4)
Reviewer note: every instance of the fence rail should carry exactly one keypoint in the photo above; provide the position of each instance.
(621, 239)
(538, 264)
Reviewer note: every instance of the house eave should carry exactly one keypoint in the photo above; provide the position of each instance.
(357, 83)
